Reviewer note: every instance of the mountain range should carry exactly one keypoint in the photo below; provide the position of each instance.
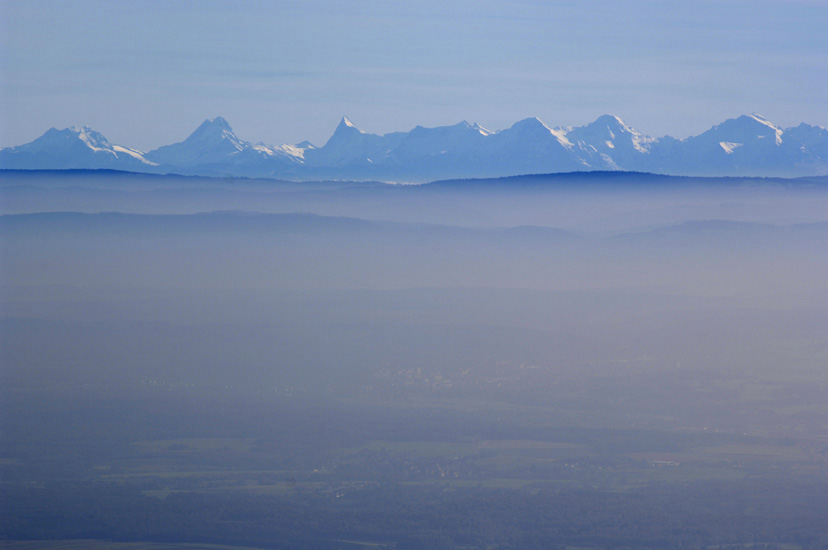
(749, 145)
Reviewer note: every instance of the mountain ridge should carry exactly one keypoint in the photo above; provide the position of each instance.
(749, 145)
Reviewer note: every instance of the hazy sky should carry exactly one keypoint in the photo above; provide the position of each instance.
(147, 73)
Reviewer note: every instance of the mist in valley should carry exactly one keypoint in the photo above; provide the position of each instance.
(468, 364)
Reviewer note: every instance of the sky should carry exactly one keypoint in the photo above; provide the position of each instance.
(147, 73)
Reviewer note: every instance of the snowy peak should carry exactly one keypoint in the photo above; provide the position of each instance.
(744, 129)
(608, 143)
(217, 124)
(756, 123)
(214, 149)
(535, 127)
(615, 128)
(90, 137)
(347, 127)
(748, 145)
(346, 122)
(350, 146)
(531, 124)
(448, 142)
(611, 122)
(72, 148)
(346, 131)
(761, 120)
(68, 137)
(211, 142)
(605, 127)
(216, 130)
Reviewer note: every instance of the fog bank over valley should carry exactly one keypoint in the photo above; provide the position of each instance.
(281, 365)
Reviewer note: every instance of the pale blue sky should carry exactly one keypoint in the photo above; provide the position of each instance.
(147, 73)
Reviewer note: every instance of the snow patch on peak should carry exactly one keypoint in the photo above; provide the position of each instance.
(534, 124)
(729, 146)
(75, 147)
(762, 120)
(614, 125)
(293, 151)
(137, 155)
(776, 129)
(611, 120)
(95, 140)
(642, 144)
(483, 131)
(285, 150)
(609, 162)
(535, 121)
(346, 128)
(608, 132)
(346, 123)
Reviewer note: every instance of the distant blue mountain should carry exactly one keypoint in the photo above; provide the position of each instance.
(743, 146)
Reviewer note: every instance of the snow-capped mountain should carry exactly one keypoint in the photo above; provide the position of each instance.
(747, 145)
(214, 140)
(610, 144)
(744, 146)
(534, 146)
(431, 153)
(351, 147)
(73, 148)
(215, 149)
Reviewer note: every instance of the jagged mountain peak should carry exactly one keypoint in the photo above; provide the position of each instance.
(218, 122)
(346, 125)
(609, 143)
(218, 127)
(345, 131)
(805, 126)
(211, 141)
